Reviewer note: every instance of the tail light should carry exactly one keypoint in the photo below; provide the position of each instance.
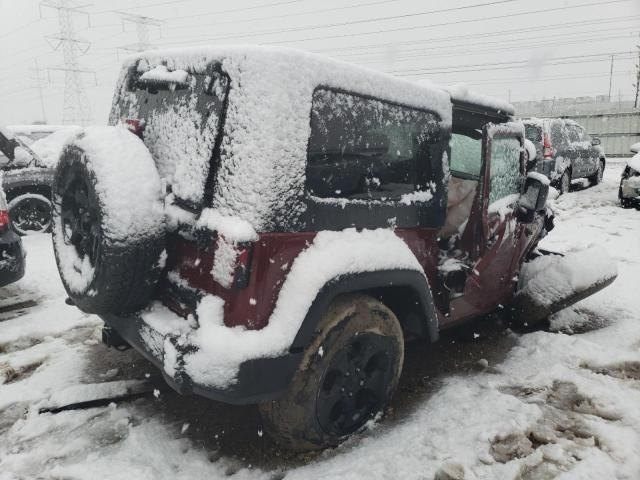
(135, 126)
(4, 212)
(4, 220)
(547, 151)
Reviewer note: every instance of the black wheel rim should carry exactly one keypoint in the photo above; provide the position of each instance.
(79, 217)
(31, 215)
(355, 385)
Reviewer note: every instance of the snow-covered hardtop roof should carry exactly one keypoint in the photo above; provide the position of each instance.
(267, 124)
(291, 67)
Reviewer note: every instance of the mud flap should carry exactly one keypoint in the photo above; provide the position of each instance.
(535, 301)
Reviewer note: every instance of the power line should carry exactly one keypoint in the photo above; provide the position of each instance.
(355, 22)
(537, 28)
(482, 50)
(142, 24)
(445, 24)
(270, 17)
(490, 67)
(234, 10)
(77, 108)
(481, 47)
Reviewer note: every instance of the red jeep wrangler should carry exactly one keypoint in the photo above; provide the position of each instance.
(273, 225)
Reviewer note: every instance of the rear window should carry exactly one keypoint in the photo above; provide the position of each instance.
(366, 149)
(533, 133)
(182, 121)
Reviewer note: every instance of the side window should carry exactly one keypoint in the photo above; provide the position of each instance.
(574, 133)
(506, 174)
(363, 148)
(466, 157)
(533, 133)
(559, 133)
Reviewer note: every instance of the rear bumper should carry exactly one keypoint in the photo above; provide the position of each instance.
(12, 258)
(258, 380)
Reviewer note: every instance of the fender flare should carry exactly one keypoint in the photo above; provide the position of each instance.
(363, 281)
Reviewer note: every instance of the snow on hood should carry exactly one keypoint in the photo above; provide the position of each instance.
(460, 92)
(48, 149)
(264, 147)
(634, 162)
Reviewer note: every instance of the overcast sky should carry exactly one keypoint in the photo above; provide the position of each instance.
(514, 49)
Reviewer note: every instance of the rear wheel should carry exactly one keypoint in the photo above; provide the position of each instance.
(30, 213)
(346, 378)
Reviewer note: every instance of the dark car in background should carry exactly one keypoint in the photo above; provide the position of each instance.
(12, 257)
(565, 151)
(629, 191)
(26, 180)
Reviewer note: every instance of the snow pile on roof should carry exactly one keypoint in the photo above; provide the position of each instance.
(264, 148)
(634, 162)
(460, 92)
(221, 349)
(48, 149)
(552, 278)
(161, 74)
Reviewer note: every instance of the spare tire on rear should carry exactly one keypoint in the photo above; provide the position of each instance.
(108, 221)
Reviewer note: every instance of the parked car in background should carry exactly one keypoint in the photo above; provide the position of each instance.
(12, 256)
(629, 192)
(28, 158)
(565, 152)
(32, 133)
(301, 232)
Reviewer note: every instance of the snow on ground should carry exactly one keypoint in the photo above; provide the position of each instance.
(558, 406)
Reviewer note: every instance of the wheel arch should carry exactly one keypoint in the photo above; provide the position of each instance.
(405, 292)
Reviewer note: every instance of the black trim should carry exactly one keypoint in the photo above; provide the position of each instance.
(258, 380)
(263, 379)
(367, 281)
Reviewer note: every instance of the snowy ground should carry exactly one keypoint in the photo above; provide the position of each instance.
(501, 405)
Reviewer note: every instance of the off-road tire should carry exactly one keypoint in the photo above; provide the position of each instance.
(125, 270)
(596, 178)
(294, 420)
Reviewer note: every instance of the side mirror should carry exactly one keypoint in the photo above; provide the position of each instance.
(7, 146)
(635, 148)
(595, 141)
(534, 196)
